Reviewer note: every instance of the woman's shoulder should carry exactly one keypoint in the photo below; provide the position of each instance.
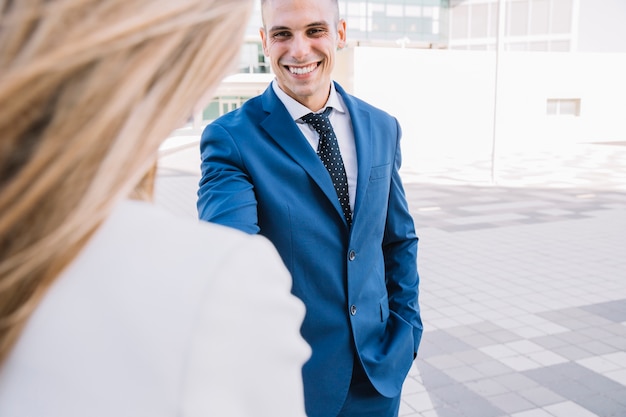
(140, 224)
(142, 244)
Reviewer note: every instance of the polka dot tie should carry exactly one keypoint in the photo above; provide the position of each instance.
(328, 151)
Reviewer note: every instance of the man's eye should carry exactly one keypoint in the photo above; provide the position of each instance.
(281, 35)
(315, 32)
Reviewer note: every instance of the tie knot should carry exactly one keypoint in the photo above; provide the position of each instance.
(319, 121)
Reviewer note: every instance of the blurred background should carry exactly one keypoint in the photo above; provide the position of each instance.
(475, 84)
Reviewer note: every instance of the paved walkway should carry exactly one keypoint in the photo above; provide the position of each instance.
(523, 280)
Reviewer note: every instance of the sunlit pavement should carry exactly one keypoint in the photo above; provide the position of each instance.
(523, 278)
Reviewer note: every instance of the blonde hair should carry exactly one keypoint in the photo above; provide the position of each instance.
(89, 90)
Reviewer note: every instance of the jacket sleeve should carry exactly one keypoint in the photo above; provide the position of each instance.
(226, 194)
(400, 253)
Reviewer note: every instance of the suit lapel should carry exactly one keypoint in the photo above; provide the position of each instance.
(361, 126)
(283, 130)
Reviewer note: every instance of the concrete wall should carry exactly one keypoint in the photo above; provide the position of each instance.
(445, 99)
(601, 26)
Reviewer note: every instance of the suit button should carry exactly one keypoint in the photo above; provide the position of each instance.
(353, 309)
(352, 255)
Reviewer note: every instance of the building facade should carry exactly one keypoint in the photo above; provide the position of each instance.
(557, 26)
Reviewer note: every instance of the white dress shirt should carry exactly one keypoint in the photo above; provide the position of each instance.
(162, 317)
(342, 125)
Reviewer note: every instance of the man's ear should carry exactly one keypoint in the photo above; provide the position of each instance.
(263, 40)
(341, 34)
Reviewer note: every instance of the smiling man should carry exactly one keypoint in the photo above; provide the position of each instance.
(315, 170)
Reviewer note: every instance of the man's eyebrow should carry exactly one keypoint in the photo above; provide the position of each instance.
(278, 28)
(320, 23)
(310, 25)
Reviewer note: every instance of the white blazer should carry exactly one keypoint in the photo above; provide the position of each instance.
(161, 316)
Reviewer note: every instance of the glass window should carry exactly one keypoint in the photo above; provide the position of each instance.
(570, 107)
(377, 7)
(552, 106)
(249, 57)
(561, 16)
(459, 17)
(395, 10)
(357, 8)
(516, 46)
(493, 23)
(560, 46)
(357, 23)
(538, 46)
(540, 17)
(563, 107)
(480, 21)
(518, 18)
(415, 11)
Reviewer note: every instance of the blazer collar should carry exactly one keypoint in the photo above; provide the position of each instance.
(283, 130)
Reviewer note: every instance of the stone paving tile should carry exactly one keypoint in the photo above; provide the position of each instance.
(515, 206)
(568, 409)
(611, 310)
(594, 392)
(541, 396)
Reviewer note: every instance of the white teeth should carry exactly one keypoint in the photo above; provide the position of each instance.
(304, 70)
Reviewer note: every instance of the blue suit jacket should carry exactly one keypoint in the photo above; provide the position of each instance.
(359, 284)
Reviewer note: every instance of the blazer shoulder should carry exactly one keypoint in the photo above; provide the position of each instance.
(249, 112)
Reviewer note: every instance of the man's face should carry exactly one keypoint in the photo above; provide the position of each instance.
(300, 37)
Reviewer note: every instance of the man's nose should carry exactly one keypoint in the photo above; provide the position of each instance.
(300, 46)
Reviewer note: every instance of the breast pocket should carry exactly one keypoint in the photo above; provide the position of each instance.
(380, 172)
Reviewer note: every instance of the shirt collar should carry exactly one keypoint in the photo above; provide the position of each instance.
(297, 110)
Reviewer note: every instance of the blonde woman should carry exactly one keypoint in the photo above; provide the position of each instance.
(110, 307)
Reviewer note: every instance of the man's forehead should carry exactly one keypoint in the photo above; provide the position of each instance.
(315, 10)
(284, 22)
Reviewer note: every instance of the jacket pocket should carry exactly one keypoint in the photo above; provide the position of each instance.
(380, 171)
(384, 308)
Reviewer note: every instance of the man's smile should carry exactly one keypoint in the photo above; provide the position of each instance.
(302, 70)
